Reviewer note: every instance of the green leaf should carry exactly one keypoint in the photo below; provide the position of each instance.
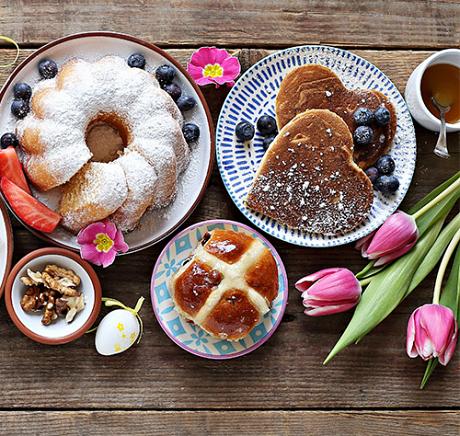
(430, 366)
(437, 211)
(450, 297)
(434, 193)
(435, 253)
(386, 290)
(426, 220)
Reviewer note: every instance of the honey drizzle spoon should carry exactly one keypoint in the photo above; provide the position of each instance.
(441, 146)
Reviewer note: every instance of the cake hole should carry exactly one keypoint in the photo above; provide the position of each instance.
(106, 137)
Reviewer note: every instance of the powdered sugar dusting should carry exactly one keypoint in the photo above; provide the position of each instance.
(82, 90)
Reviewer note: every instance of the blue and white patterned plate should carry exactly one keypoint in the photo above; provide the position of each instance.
(189, 336)
(254, 95)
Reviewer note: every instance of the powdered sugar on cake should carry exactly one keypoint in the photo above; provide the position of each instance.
(63, 107)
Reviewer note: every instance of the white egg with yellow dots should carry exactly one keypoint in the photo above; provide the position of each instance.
(117, 331)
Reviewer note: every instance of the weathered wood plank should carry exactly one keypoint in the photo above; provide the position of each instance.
(396, 64)
(422, 423)
(284, 373)
(408, 23)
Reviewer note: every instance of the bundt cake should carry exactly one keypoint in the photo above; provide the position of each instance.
(55, 151)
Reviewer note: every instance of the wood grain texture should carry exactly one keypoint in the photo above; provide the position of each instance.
(285, 373)
(380, 23)
(241, 423)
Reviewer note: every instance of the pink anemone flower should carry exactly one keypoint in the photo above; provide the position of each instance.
(100, 242)
(211, 65)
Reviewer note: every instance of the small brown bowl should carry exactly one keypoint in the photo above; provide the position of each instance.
(58, 332)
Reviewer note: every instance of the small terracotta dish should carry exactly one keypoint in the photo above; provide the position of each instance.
(59, 331)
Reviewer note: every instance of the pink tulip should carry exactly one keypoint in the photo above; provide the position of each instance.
(432, 332)
(329, 291)
(211, 65)
(100, 242)
(395, 237)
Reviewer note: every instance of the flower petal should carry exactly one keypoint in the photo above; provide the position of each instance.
(195, 71)
(88, 234)
(393, 234)
(339, 286)
(305, 282)
(107, 258)
(203, 56)
(445, 357)
(89, 253)
(395, 254)
(119, 242)
(329, 310)
(232, 68)
(110, 229)
(410, 338)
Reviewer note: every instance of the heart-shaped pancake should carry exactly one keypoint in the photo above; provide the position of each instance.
(308, 180)
(317, 87)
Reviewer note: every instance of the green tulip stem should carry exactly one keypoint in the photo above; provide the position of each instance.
(437, 199)
(442, 268)
(365, 282)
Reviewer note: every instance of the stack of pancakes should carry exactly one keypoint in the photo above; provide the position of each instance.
(312, 177)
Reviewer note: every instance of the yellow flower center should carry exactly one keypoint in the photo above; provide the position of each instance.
(103, 242)
(212, 71)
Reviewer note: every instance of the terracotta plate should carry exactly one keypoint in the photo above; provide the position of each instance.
(155, 225)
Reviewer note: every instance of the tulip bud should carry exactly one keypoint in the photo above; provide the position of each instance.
(432, 332)
(329, 291)
(397, 235)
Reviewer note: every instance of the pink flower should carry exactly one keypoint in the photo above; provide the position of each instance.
(100, 242)
(329, 291)
(211, 65)
(432, 332)
(395, 237)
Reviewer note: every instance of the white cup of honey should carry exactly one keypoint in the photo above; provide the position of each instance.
(437, 76)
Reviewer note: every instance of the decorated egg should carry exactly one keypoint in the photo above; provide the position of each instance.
(117, 331)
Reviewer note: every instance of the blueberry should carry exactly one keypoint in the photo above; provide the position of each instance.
(266, 125)
(372, 173)
(165, 74)
(22, 90)
(244, 131)
(20, 108)
(385, 164)
(191, 132)
(9, 139)
(186, 103)
(363, 135)
(136, 60)
(267, 141)
(363, 116)
(382, 116)
(47, 68)
(387, 184)
(173, 90)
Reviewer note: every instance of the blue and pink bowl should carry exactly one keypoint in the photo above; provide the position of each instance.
(186, 334)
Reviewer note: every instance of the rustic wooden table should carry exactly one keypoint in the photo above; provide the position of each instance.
(281, 388)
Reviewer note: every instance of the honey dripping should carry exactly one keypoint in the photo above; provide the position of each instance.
(442, 81)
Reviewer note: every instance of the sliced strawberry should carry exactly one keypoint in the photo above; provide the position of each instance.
(28, 208)
(11, 167)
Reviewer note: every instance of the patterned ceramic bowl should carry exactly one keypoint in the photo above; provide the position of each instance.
(254, 95)
(189, 336)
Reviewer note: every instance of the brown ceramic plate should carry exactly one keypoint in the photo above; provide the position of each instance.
(6, 246)
(59, 332)
(156, 224)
